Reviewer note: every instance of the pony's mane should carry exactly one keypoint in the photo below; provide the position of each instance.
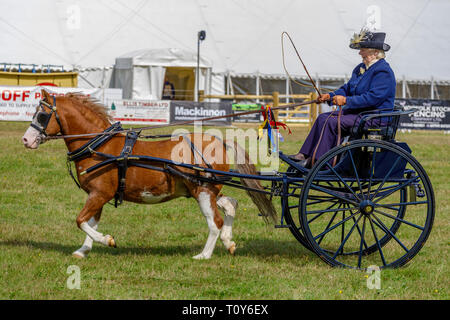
(91, 103)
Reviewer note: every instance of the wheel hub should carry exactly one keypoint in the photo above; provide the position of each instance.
(366, 207)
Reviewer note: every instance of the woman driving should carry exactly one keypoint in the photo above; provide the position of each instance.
(371, 86)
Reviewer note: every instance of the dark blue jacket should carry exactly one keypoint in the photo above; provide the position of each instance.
(374, 89)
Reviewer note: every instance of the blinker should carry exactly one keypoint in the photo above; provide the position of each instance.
(43, 118)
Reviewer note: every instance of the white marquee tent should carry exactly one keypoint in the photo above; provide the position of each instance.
(242, 36)
(141, 73)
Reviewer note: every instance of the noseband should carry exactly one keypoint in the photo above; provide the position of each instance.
(43, 118)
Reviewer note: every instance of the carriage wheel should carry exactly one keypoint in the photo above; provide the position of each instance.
(375, 207)
(293, 219)
(290, 207)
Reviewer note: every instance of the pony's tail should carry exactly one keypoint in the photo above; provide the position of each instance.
(260, 199)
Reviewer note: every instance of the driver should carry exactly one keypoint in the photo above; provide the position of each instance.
(371, 86)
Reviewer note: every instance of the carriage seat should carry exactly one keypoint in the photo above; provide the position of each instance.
(384, 126)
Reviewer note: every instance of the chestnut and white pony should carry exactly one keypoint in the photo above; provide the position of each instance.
(75, 114)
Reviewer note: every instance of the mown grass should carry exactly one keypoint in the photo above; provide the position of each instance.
(39, 203)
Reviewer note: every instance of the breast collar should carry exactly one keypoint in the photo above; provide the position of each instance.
(85, 150)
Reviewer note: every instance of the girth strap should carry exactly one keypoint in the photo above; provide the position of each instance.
(122, 165)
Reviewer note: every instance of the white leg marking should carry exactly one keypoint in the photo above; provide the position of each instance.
(228, 206)
(87, 245)
(97, 236)
(204, 201)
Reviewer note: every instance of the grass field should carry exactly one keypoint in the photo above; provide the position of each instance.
(39, 203)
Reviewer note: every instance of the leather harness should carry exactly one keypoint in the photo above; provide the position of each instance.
(122, 165)
(88, 149)
(126, 159)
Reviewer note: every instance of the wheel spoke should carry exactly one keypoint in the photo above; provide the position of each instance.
(362, 242)
(320, 197)
(321, 212)
(377, 241)
(293, 195)
(356, 172)
(318, 201)
(398, 187)
(399, 204)
(342, 180)
(400, 220)
(330, 210)
(372, 172)
(387, 231)
(342, 233)
(386, 177)
(359, 231)
(336, 195)
(329, 224)
(341, 248)
(335, 226)
(388, 188)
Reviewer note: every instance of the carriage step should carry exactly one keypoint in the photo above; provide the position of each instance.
(277, 226)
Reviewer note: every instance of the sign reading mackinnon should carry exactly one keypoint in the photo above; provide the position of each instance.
(188, 110)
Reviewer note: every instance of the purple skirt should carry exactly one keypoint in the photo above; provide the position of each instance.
(328, 123)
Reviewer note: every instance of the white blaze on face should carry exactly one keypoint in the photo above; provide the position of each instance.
(32, 138)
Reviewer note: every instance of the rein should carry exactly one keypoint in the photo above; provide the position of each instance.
(86, 135)
(313, 157)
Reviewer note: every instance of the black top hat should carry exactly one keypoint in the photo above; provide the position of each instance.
(368, 39)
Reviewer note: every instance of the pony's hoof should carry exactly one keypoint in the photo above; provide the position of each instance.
(79, 255)
(110, 241)
(232, 249)
(200, 256)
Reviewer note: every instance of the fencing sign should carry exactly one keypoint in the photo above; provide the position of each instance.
(431, 114)
(146, 112)
(187, 110)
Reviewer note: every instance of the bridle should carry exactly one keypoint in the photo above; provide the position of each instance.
(43, 118)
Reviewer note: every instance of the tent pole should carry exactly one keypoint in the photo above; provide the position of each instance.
(432, 88)
(197, 70)
(403, 87)
(257, 86)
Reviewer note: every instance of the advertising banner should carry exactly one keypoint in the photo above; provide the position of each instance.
(19, 103)
(430, 114)
(140, 111)
(181, 111)
(239, 107)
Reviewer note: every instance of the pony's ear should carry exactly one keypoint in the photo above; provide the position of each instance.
(45, 95)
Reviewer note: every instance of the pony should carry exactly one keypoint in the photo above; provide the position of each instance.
(74, 116)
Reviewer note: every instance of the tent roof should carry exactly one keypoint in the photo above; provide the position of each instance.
(170, 57)
(241, 36)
